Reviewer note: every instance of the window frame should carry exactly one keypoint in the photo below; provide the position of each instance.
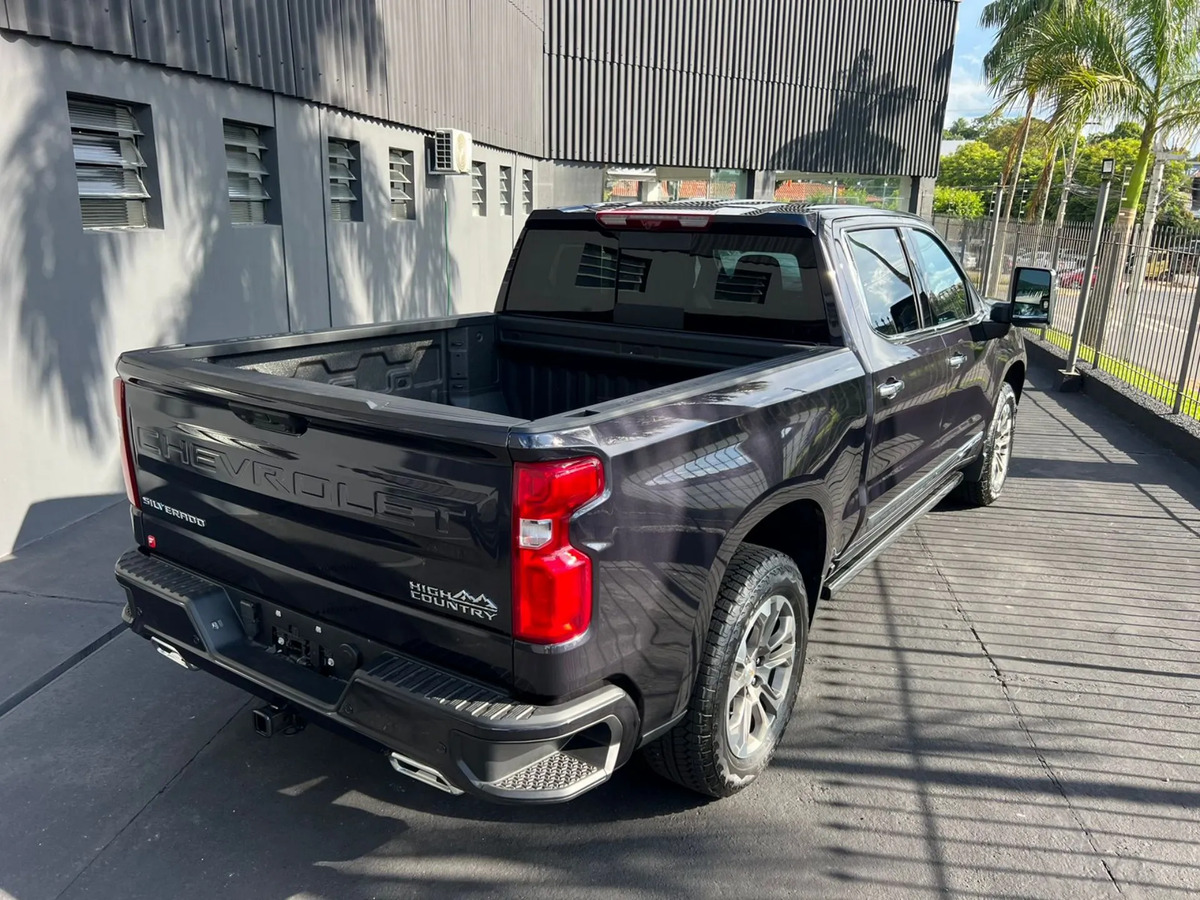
(406, 169)
(479, 199)
(974, 307)
(260, 143)
(506, 191)
(526, 191)
(905, 336)
(353, 166)
(137, 168)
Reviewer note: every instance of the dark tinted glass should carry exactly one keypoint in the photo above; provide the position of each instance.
(749, 285)
(886, 281)
(948, 299)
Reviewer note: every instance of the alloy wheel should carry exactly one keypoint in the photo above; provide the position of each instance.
(761, 678)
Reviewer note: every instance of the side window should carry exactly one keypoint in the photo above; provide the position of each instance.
(887, 283)
(948, 297)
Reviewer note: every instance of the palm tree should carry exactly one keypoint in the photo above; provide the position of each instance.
(1124, 59)
(1007, 67)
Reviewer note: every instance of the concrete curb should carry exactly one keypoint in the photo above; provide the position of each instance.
(1178, 433)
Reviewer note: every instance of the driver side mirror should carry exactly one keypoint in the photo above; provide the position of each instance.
(1031, 296)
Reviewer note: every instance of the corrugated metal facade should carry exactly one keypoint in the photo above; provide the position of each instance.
(258, 44)
(184, 34)
(472, 64)
(854, 86)
(823, 86)
(99, 24)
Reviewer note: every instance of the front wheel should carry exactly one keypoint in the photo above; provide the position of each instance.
(750, 670)
(997, 452)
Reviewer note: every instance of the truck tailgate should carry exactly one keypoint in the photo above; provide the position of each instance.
(355, 509)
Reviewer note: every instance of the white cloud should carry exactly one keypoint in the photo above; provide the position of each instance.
(969, 96)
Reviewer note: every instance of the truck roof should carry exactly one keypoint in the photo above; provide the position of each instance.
(806, 214)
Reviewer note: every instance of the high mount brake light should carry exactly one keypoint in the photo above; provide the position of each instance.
(127, 469)
(622, 218)
(552, 579)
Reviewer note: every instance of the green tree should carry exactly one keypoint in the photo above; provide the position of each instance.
(1081, 207)
(1005, 132)
(1122, 130)
(963, 129)
(1014, 68)
(1134, 59)
(974, 165)
(952, 201)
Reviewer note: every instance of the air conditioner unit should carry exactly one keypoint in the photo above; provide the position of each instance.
(451, 152)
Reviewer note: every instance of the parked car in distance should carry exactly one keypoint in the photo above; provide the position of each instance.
(1184, 259)
(1039, 258)
(1074, 278)
(511, 549)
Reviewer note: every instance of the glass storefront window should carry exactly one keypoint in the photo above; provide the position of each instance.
(884, 191)
(665, 183)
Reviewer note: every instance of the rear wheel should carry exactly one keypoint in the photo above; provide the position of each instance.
(997, 452)
(749, 673)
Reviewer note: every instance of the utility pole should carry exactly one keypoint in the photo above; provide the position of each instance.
(1149, 220)
(992, 272)
(1070, 375)
(1064, 197)
(1044, 201)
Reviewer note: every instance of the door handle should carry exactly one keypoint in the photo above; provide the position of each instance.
(890, 388)
(957, 360)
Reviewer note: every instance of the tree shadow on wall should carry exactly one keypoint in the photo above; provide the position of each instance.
(392, 270)
(71, 300)
(861, 134)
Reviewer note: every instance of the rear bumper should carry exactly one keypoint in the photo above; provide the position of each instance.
(438, 727)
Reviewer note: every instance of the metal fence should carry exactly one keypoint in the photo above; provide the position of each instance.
(1140, 330)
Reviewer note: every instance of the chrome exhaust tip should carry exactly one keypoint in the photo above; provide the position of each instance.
(171, 653)
(422, 773)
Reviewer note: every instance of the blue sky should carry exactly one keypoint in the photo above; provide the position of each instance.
(969, 96)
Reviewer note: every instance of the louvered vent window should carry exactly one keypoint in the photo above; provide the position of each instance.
(527, 190)
(478, 189)
(244, 150)
(401, 175)
(343, 172)
(108, 165)
(600, 267)
(506, 187)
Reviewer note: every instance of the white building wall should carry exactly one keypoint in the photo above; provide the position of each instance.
(72, 300)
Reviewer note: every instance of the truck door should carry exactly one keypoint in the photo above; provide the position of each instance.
(908, 378)
(946, 293)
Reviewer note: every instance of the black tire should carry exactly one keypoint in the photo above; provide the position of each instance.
(997, 453)
(697, 752)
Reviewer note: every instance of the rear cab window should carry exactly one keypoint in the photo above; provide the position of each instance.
(716, 281)
(885, 280)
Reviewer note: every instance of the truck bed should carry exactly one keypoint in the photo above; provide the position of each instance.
(519, 367)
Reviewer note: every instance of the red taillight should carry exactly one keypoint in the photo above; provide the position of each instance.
(127, 469)
(552, 580)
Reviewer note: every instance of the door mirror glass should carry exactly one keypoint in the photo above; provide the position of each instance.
(1031, 295)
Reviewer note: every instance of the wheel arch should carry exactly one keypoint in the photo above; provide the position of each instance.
(1014, 375)
(795, 520)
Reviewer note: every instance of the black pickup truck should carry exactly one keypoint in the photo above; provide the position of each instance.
(511, 549)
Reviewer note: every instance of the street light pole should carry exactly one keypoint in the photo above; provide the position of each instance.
(1070, 375)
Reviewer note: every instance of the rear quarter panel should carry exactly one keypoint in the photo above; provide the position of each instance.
(687, 480)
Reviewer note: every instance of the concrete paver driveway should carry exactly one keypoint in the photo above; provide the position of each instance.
(1005, 705)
